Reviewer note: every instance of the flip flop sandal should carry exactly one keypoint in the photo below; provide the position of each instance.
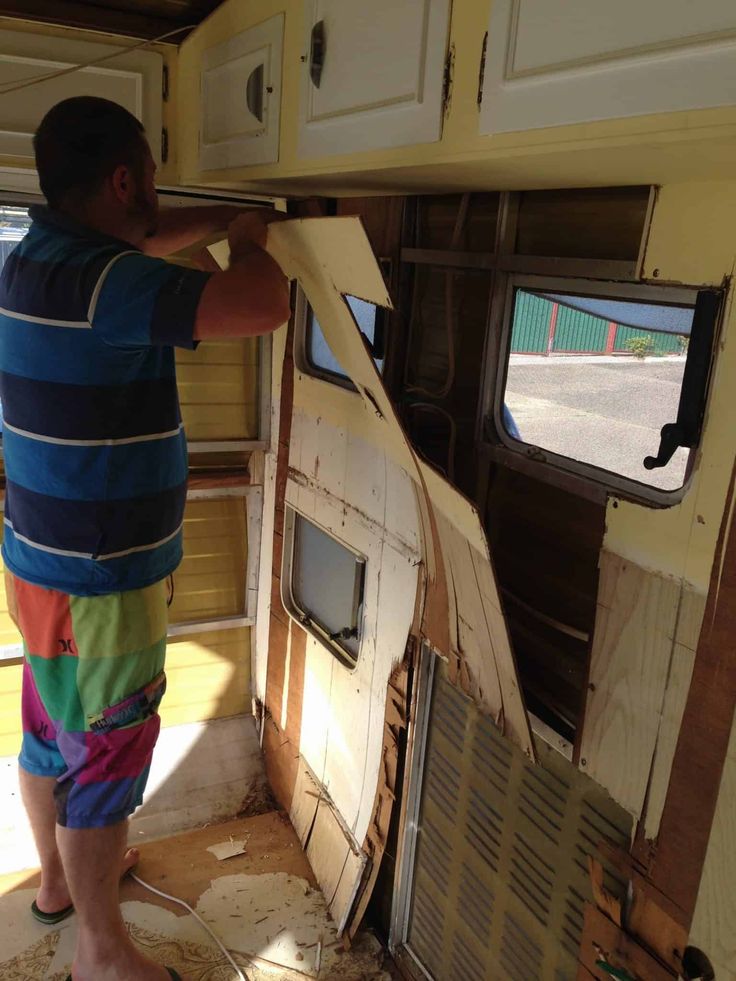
(172, 972)
(51, 919)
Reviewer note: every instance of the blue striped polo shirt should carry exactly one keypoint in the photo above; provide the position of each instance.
(94, 447)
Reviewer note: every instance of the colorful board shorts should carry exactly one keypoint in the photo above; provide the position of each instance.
(92, 683)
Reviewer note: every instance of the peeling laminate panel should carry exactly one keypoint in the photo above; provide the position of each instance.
(331, 257)
(353, 471)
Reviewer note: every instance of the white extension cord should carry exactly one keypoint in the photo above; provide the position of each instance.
(180, 902)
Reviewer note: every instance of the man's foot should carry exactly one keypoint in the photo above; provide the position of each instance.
(53, 896)
(129, 965)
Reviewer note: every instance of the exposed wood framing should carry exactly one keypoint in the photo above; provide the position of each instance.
(701, 751)
(606, 948)
(386, 792)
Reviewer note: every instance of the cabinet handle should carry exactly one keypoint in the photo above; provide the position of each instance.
(254, 93)
(317, 53)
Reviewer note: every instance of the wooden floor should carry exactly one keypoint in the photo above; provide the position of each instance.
(263, 904)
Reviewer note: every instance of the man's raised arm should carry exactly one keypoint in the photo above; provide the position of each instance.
(250, 297)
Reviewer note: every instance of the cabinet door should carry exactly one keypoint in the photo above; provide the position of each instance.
(372, 74)
(132, 79)
(241, 98)
(551, 62)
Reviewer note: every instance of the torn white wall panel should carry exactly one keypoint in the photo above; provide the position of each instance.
(331, 257)
(342, 716)
(353, 472)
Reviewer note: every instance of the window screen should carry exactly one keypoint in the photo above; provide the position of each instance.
(326, 582)
(369, 318)
(594, 378)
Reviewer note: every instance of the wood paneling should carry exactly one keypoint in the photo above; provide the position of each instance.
(218, 390)
(210, 582)
(139, 18)
(714, 923)
(605, 942)
(630, 663)
(11, 678)
(594, 223)
(208, 676)
(545, 543)
(702, 746)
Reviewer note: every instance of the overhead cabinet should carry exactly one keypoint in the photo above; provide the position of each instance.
(241, 98)
(551, 62)
(132, 79)
(372, 74)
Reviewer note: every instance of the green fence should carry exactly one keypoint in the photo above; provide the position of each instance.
(576, 331)
(531, 324)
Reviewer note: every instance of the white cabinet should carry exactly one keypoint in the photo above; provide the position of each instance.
(241, 98)
(132, 79)
(372, 74)
(551, 62)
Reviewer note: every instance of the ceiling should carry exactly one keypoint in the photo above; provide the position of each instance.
(137, 18)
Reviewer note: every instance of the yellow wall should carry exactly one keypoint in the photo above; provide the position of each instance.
(645, 149)
(208, 673)
(210, 582)
(218, 389)
(692, 241)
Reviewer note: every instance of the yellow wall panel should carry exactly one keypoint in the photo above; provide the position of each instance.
(10, 728)
(210, 582)
(208, 676)
(218, 390)
(8, 631)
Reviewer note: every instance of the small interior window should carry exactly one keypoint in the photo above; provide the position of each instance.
(607, 380)
(326, 583)
(371, 321)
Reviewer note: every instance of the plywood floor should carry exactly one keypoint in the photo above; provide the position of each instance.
(264, 905)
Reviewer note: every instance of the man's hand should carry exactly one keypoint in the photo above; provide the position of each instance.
(249, 230)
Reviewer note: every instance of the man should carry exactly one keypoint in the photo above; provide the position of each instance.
(96, 467)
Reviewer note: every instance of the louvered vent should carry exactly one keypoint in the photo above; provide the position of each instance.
(501, 876)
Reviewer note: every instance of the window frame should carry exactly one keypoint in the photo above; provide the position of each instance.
(302, 318)
(544, 463)
(302, 617)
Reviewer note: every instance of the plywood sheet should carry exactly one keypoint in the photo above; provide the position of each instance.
(630, 663)
(304, 805)
(210, 582)
(336, 862)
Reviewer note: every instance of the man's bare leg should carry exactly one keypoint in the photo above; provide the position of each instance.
(91, 859)
(38, 798)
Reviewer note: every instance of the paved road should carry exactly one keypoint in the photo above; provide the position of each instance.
(603, 411)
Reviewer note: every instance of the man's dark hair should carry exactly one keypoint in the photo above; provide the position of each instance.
(80, 142)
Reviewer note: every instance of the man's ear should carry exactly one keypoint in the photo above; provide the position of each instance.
(122, 183)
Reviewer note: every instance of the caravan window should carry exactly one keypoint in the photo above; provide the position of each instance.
(607, 379)
(323, 585)
(370, 320)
